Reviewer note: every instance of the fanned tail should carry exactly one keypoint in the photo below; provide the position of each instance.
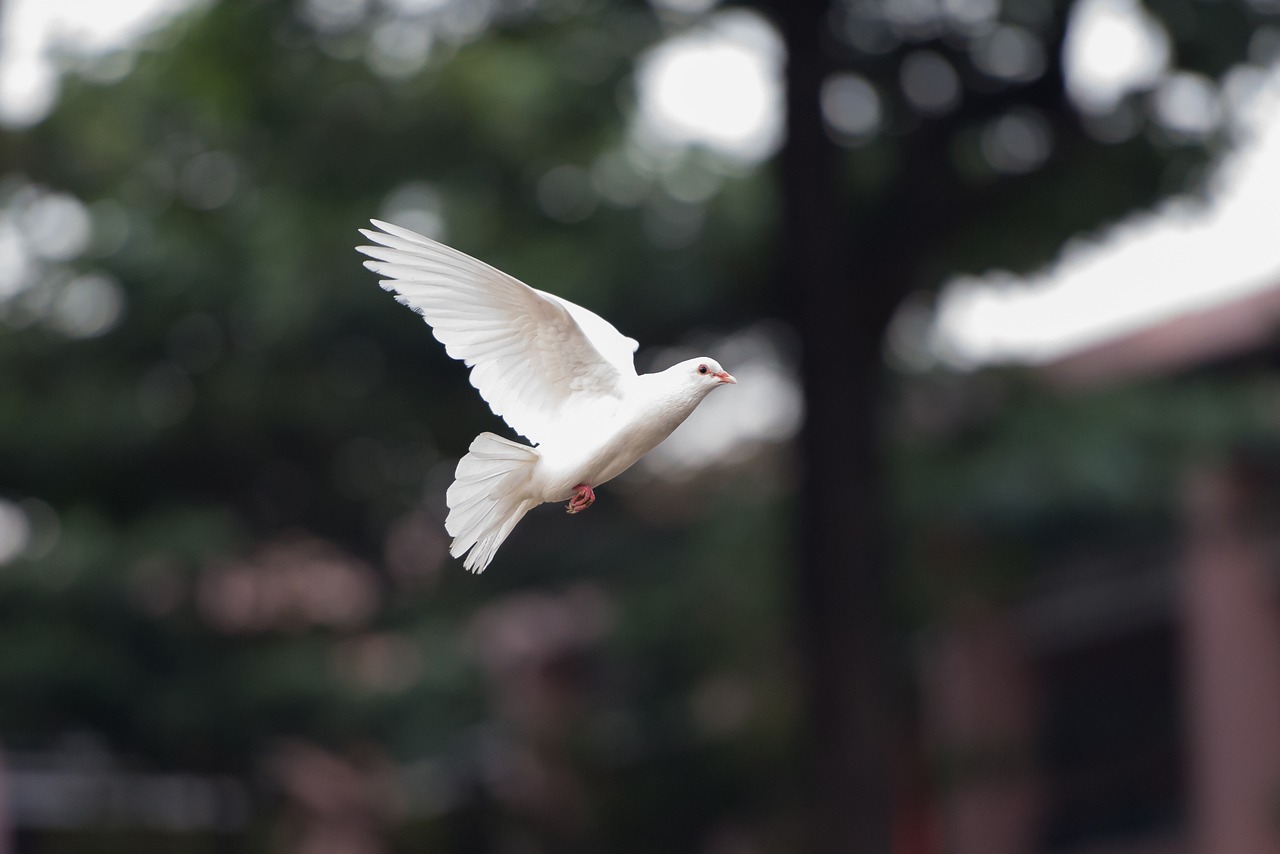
(488, 497)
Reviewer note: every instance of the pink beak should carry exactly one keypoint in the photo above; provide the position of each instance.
(725, 377)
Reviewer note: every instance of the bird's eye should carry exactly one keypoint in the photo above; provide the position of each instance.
(702, 369)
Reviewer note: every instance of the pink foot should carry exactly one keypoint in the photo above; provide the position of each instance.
(583, 497)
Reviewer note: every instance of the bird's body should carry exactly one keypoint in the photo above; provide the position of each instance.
(649, 410)
(557, 373)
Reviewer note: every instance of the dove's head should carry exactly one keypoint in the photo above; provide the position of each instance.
(682, 387)
(704, 372)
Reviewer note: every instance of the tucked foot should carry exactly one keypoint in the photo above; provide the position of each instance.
(583, 497)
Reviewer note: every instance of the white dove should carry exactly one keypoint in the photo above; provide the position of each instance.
(558, 374)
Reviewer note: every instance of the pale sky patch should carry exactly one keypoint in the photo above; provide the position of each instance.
(1187, 254)
(717, 84)
(1113, 47)
(33, 32)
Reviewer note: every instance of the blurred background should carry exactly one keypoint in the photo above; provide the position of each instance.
(979, 557)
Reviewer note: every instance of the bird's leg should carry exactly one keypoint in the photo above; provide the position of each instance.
(583, 497)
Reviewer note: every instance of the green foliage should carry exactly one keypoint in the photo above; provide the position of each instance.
(1029, 478)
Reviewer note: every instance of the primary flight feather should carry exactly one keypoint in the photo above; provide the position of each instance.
(561, 376)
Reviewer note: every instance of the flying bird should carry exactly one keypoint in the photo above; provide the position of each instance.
(558, 374)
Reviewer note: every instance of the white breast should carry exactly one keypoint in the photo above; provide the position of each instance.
(599, 452)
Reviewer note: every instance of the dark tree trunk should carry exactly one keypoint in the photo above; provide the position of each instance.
(841, 590)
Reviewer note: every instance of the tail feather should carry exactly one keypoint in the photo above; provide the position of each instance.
(487, 498)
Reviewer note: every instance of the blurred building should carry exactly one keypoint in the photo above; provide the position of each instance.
(1127, 699)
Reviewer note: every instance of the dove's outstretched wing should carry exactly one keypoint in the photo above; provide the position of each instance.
(539, 361)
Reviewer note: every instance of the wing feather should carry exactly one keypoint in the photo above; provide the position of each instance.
(537, 359)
